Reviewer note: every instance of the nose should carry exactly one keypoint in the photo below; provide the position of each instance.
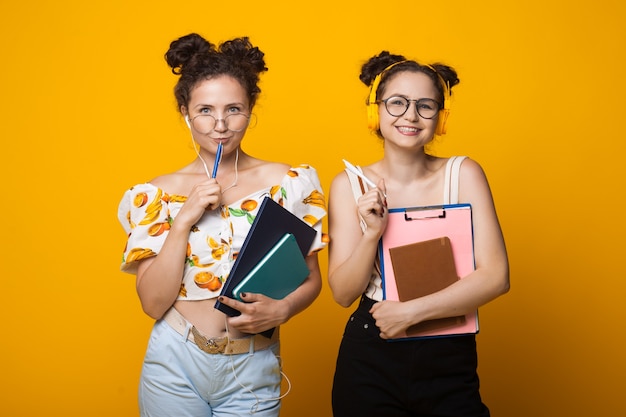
(411, 115)
(220, 125)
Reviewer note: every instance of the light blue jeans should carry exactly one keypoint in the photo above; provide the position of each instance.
(178, 379)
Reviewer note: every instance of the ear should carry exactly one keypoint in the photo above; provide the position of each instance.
(183, 111)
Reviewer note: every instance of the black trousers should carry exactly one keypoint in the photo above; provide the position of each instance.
(433, 377)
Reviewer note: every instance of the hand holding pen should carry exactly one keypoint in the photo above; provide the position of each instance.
(370, 203)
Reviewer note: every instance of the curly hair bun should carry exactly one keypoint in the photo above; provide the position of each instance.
(184, 50)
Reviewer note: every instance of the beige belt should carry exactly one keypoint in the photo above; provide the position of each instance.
(214, 345)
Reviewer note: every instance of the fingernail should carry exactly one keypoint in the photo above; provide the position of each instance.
(220, 299)
(244, 295)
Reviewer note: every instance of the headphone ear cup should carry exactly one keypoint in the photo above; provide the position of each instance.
(372, 117)
(441, 122)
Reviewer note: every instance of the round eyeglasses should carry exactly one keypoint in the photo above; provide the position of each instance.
(205, 123)
(425, 107)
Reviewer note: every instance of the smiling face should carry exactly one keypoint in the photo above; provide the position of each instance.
(218, 111)
(409, 129)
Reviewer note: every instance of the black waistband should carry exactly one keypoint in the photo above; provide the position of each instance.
(366, 303)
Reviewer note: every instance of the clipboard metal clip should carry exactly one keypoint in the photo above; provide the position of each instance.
(439, 213)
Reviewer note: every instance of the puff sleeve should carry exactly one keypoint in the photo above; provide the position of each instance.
(145, 216)
(303, 196)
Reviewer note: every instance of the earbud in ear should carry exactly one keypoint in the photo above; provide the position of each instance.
(187, 121)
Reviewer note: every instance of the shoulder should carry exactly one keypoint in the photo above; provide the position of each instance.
(341, 193)
(176, 182)
(273, 168)
(471, 170)
(473, 183)
(340, 182)
(263, 172)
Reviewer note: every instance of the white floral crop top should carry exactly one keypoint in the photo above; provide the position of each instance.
(146, 213)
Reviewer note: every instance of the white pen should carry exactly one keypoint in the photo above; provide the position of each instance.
(358, 173)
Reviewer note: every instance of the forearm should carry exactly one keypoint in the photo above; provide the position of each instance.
(350, 278)
(159, 278)
(463, 297)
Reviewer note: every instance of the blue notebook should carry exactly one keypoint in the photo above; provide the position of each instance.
(281, 271)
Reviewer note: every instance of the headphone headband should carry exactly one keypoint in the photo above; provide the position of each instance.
(445, 86)
(447, 98)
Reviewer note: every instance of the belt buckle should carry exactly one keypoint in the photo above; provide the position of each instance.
(211, 345)
(214, 346)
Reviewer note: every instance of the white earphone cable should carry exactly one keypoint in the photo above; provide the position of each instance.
(255, 406)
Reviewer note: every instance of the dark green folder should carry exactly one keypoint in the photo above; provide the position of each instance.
(280, 271)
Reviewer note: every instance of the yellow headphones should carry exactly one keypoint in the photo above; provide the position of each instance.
(373, 122)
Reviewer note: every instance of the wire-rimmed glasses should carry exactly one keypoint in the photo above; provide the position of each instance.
(205, 123)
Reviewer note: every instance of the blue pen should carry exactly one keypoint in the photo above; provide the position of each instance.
(218, 156)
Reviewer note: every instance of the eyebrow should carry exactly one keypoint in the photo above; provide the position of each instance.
(237, 104)
(409, 98)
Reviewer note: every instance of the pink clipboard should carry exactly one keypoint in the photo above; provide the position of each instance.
(418, 224)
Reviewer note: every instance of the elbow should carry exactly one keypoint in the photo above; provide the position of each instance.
(343, 303)
(503, 289)
(317, 288)
(344, 300)
(505, 283)
(153, 310)
(343, 292)
(152, 313)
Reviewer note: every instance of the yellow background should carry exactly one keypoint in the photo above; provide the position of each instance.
(87, 110)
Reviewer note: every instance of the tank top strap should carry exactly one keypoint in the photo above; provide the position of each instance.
(358, 189)
(451, 180)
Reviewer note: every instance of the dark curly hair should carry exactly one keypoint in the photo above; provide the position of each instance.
(195, 59)
(377, 64)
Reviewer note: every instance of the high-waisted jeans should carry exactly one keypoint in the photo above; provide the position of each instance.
(178, 379)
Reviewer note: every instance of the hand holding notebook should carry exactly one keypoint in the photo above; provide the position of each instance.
(423, 268)
(271, 223)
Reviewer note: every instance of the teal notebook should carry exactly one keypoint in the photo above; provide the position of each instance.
(279, 272)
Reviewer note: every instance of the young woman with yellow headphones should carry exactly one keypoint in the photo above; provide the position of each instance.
(408, 105)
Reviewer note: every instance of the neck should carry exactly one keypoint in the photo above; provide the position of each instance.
(402, 164)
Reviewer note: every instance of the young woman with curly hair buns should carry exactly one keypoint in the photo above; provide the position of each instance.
(186, 228)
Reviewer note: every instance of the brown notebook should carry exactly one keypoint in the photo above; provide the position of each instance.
(423, 268)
